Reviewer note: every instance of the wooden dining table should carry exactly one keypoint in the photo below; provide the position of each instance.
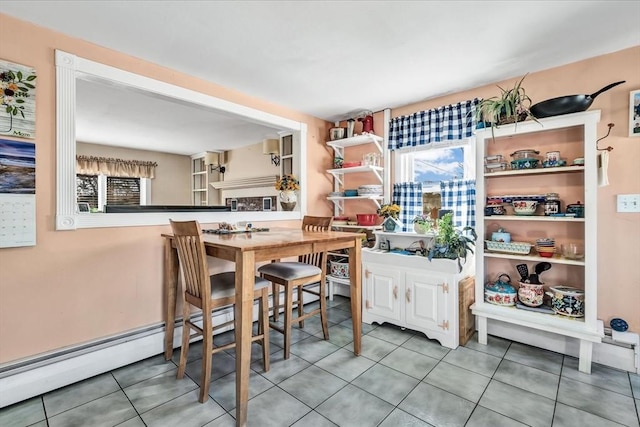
(245, 250)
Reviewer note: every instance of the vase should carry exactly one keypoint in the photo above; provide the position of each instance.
(420, 228)
(288, 200)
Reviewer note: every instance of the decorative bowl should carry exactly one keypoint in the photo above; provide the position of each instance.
(340, 268)
(567, 301)
(524, 164)
(525, 207)
(367, 219)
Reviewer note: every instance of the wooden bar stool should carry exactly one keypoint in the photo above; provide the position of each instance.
(210, 293)
(308, 270)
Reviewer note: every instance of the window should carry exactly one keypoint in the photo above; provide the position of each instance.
(87, 190)
(100, 190)
(123, 191)
(435, 163)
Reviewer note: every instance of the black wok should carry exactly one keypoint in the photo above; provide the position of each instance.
(566, 104)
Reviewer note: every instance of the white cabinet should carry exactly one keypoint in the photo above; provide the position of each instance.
(574, 135)
(411, 291)
(338, 174)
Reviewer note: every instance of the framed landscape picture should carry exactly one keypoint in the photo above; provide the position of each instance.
(634, 113)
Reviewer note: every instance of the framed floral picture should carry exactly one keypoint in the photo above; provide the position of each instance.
(17, 100)
(634, 113)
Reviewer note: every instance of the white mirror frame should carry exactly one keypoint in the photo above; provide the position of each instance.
(70, 67)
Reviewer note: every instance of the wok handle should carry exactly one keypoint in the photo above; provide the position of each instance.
(607, 87)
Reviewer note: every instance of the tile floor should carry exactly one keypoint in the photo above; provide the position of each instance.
(401, 379)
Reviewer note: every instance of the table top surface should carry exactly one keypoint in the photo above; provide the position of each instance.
(274, 238)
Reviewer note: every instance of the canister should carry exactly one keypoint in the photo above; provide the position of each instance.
(551, 204)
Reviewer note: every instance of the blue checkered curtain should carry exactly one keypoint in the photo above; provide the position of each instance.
(408, 195)
(459, 196)
(447, 123)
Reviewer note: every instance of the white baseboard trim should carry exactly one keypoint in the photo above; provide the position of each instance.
(28, 378)
(621, 357)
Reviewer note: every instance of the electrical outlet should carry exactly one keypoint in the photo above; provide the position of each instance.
(628, 203)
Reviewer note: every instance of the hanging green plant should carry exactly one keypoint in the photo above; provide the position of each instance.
(512, 106)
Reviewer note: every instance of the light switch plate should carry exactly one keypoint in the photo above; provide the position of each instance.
(628, 203)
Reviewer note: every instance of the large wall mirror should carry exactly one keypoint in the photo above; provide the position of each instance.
(106, 112)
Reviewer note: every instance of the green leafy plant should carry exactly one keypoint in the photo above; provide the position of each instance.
(512, 106)
(452, 243)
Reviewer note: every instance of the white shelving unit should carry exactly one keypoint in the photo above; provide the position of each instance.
(574, 133)
(199, 181)
(338, 174)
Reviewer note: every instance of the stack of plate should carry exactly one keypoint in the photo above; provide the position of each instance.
(546, 247)
(370, 190)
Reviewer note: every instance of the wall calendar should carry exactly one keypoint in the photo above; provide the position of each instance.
(17, 194)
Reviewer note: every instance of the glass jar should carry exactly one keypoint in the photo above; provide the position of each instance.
(551, 204)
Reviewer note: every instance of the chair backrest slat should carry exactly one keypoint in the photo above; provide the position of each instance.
(315, 223)
(193, 257)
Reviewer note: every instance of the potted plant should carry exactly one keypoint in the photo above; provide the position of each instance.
(390, 213)
(512, 106)
(422, 224)
(451, 243)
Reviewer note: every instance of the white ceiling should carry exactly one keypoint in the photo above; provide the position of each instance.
(332, 59)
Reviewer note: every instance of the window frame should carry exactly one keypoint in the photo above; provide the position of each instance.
(404, 160)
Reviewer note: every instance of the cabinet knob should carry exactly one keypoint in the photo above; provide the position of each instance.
(444, 325)
(395, 292)
(407, 294)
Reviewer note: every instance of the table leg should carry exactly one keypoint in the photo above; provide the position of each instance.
(170, 280)
(245, 282)
(355, 273)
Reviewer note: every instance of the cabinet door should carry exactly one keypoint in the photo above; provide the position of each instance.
(383, 293)
(426, 297)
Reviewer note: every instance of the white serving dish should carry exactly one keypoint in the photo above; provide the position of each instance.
(519, 248)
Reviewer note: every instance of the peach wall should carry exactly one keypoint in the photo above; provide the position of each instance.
(618, 233)
(78, 286)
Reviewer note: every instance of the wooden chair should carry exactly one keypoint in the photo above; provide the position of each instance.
(209, 293)
(308, 270)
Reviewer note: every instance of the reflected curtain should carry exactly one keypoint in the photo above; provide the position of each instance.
(451, 122)
(459, 196)
(90, 165)
(408, 195)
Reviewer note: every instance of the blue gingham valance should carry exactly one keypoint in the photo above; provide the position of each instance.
(408, 195)
(459, 196)
(451, 122)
